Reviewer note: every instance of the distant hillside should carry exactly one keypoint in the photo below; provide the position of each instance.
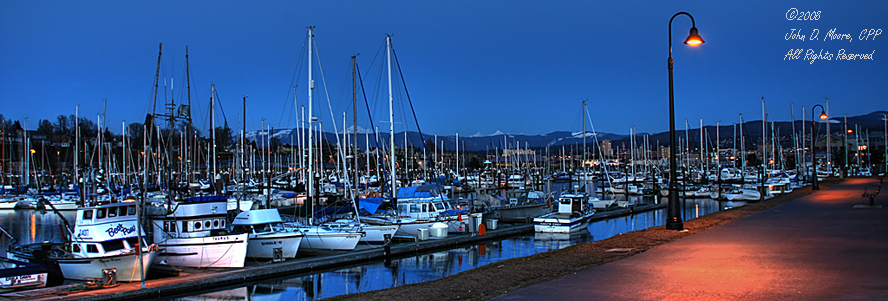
(752, 132)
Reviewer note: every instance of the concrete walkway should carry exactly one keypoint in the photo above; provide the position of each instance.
(829, 245)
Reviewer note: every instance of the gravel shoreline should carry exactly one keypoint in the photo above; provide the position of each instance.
(502, 277)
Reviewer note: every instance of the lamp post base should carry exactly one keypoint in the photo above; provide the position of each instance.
(677, 225)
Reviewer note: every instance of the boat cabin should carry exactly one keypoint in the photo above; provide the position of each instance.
(203, 216)
(105, 230)
(258, 221)
(570, 203)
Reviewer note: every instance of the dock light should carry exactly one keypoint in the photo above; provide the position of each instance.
(673, 210)
(814, 185)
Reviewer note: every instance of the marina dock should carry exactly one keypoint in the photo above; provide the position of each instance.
(191, 280)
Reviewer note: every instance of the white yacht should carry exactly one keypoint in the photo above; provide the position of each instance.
(267, 235)
(573, 214)
(193, 234)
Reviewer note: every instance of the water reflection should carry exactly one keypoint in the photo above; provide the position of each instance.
(33, 226)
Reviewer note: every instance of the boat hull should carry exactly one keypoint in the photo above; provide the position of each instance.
(376, 234)
(227, 251)
(264, 246)
(91, 268)
(315, 242)
(560, 223)
(520, 213)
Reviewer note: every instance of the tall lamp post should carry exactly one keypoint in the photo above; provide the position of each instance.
(673, 218)
(814, 185)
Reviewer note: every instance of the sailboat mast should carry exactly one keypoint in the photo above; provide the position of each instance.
(742, 148)
(310, 120)
(355, 118)
(77, 151)
(213, 128)
(388, 58)
(585, 172)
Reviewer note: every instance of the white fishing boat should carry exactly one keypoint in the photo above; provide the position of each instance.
(104, 237)
(573, 214)
(268, 237)
(194, 234)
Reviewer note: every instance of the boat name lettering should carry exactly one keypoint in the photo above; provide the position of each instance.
(265, 243)
(120, 228)
(220, 237)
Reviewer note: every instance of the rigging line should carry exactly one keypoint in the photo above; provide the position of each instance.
(293, 80)
(327, 95)
(370, 118)
(415, 119)
(218, 100)
(595, 137)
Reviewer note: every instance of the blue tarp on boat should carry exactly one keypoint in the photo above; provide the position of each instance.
(422, 191)
(370, 204)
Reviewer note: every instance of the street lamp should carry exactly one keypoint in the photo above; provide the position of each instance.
(673, 218)
(814, 185)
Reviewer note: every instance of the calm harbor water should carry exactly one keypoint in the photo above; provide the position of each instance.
(29, 226)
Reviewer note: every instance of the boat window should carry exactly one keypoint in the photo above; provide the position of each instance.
(92, 248)
(133, 242)
(216, 224)
(206, 224)
(112, 212)
(439, 206)
(414, 208)
(75, 248)
(565, 201)
(122, 211)
(425, 207)
(87, 214)
(223, 223)
(196, 225)
(113, 245)
(100, 213)
(131, 210)
(402, 208)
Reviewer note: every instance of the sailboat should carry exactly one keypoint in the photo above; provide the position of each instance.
(414, 207)
(574, 210)
(319, 238)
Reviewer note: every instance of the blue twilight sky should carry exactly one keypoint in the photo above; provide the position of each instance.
(470, 66)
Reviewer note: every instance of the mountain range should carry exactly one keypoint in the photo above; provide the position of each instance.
(752, 132)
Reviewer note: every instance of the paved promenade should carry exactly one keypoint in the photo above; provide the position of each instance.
(829, 245)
